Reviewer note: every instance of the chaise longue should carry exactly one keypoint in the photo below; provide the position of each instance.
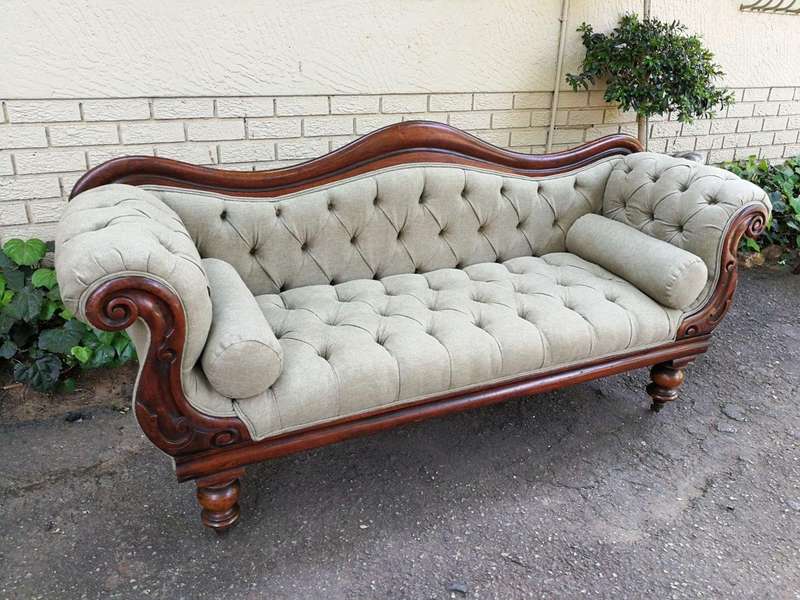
(416, 272)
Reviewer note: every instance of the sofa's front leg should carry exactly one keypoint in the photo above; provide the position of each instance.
(218, 496)
(667, 378)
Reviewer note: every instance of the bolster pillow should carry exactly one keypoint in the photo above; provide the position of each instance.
(242, 356)
(668, 274)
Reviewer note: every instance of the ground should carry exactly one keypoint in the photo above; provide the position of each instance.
(578, 493)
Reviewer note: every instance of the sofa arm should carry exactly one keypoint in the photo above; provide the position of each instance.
(118, 231)
(242, 356)
(669, 275)
(124, 260)
(694, 207)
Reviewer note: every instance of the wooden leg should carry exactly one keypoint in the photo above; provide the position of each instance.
(218, 496)
(667, 378)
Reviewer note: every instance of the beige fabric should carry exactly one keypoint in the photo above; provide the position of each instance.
(669, 275)
(679, 201)
(242, 357)
(406, 219)
(364, 344)
(444, 277)
(119, 230)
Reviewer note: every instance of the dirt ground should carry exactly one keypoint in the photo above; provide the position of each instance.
(577, 493)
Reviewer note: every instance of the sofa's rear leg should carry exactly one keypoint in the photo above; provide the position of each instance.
(667, 378)
(218, 496)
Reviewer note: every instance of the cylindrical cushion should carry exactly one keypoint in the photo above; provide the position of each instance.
(242, 356)
(669, 275)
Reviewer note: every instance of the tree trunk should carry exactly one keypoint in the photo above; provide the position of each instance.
(642, 123)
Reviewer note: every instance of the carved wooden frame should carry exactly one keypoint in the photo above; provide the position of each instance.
(214, 450)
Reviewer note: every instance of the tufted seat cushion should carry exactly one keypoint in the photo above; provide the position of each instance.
(363, 344)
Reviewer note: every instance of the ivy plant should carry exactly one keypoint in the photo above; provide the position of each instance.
(782, 184)
(653, 68)
(38, 334)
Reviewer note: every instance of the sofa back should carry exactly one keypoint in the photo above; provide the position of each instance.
(678, 201)
(403, 219)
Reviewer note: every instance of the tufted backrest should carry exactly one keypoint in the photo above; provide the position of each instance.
(404, 219)
(679, 201)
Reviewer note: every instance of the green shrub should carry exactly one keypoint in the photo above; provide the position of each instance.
(782, 184)
(653, 68)
(38, 334)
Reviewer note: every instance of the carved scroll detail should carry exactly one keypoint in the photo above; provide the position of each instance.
(161, 408)
(749, 221)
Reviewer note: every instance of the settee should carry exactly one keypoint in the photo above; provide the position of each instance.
(415, 272)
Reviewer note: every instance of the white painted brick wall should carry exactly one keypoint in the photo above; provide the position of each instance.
(245, 107)
(46, 145)
(42, 111)
(126, 109)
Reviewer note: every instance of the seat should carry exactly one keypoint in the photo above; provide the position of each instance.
(365, 344)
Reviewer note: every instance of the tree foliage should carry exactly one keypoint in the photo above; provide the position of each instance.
(652, 68)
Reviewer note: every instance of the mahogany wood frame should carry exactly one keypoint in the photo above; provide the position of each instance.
(215, 450)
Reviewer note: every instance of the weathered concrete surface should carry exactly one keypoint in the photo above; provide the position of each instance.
(582, 492)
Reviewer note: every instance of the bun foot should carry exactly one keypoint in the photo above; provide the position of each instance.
(667, 378)
(218, 496)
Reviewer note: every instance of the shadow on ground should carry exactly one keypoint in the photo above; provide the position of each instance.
(581, 492)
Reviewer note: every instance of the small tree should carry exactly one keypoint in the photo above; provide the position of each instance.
(653, 68)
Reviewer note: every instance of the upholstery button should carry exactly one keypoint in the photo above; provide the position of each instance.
(223, 215)
(399, 233)
(481, 227)
(375, 201)
(713, 201)
(441, 232)
(353, 240)
(253, 250)
(498, 260)
(330, 205)
(519, 225)
(278, 211)
(304, 246)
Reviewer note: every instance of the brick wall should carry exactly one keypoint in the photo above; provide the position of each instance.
(46, 145)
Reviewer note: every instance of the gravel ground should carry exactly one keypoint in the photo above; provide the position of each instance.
(577, 493)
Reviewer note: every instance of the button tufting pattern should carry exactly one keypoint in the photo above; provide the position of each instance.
(431, 217)
(678, 201)
(406, 336)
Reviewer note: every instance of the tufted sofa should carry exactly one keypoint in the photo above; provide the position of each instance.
(416, 272)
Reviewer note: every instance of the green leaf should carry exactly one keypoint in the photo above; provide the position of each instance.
(60, 340)
(13, 276)
(25, 252)
(66, 314)
(102, 356)
(752, 244)
(25, 305)
(41, 373)
(44, 278)
(128, 353)
(67, 386)
(82, 353)
(8, 349)
(6, 297)
(49, 309)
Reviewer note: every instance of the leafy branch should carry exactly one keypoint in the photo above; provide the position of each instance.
(38, 334)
